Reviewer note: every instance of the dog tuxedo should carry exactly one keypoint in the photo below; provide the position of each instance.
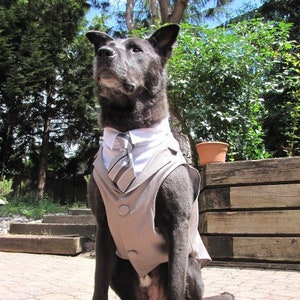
(155, 154)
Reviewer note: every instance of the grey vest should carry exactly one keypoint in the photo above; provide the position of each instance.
(131, 214)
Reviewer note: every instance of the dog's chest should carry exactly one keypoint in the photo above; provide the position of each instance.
(131, 215)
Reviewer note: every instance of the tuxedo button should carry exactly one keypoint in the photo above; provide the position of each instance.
(123, 210)
(132, 254)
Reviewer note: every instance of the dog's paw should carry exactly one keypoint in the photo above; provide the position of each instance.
(223, 296)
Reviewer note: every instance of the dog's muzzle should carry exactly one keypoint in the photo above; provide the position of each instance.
(106, 53)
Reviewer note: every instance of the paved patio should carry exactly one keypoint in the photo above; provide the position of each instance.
(50, 277)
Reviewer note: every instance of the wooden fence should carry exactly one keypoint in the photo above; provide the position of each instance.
(250, 212)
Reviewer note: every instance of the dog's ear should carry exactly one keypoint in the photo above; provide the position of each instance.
(164, 38)
(97, 38)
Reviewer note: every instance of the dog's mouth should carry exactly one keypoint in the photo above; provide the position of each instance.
(109, 79)
(107, 74)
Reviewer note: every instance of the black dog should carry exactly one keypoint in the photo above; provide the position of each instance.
(131, 87)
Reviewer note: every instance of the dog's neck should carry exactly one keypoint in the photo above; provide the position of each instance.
(124, 113)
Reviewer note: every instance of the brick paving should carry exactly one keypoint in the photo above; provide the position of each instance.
(50, 277)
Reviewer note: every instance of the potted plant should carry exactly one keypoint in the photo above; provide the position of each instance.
(211, 152)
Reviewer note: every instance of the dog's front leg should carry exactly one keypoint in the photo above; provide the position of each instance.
(178, 259)
(104, 262)
(105, 247)
(173, 207)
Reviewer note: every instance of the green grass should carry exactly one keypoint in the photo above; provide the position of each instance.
(29, 206)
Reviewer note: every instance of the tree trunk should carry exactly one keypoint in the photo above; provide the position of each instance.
(44, 151)
(5, 142)
(154, 11)
(167, 13)
(129, 14)
(175, 16)
(165, 10)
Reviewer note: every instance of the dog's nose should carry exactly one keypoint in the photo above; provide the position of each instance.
(106, 53)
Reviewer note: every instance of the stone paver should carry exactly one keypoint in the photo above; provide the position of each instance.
(50, 277)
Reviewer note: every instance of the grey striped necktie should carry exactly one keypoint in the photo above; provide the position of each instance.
(121, 170)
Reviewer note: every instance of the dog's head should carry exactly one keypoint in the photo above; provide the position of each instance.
(130, 75)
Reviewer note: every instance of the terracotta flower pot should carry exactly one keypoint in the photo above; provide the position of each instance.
(211, 152)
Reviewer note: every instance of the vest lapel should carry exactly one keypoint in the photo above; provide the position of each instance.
(161, 158)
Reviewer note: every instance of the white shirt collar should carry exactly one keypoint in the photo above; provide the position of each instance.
(138, 136)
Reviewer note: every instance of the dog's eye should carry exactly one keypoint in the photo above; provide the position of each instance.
(136, 49)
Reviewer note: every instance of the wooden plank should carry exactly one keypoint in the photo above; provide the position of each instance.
(251, 222)
(70, 219)
(79, 211)
(217, 198)
(255, 196)
(218, 247)
(52, 229)
(267, 248)
(41, 244)
(252, 172)
(261, 196)
(243, 263)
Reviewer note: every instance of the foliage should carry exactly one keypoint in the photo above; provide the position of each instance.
(249, 70)
(45, 84)
(5, 188)
(282, 96)
(29, 206)
(278, 10)
(217, 78)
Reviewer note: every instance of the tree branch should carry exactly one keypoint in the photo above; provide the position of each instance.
(178, 11)
(175, 16)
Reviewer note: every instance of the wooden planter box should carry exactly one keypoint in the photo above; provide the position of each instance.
(250, 211)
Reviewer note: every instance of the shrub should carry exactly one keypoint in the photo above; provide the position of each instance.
(30, 206)
(5, 188)
(217, 79)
